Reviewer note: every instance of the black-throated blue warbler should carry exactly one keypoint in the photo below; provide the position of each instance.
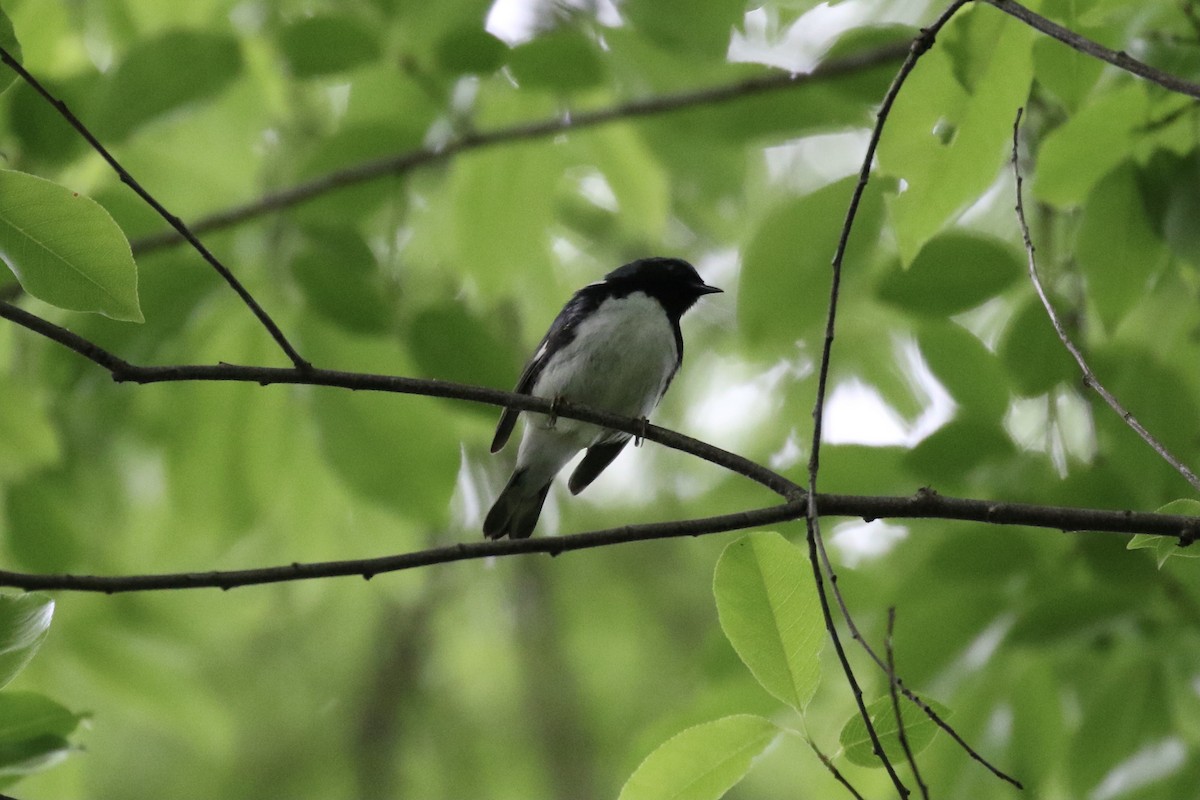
(615, 346)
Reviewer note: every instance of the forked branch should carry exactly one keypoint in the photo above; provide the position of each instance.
(1089, 377)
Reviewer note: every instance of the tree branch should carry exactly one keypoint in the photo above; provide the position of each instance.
(925, 504)
(814, 506)
(922, 505)
(895, 681)
(1118, 58)
(829, 765)
(175, 222)
(892, 680)
(1089, 377)
(370, 567)
(919, 46)
(124, 372)
(401, 163)
(72, 341)
(922, 43)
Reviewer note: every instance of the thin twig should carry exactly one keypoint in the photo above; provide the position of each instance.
(919, 46)
(370, 567)
(900, 732)
(401, 163)
(1089, 377)
(1081, 44)
(174, 221)
(1050, 517)
(898, 682)
(814, 534)
(829, 765)
(1118, 58)
(72, 341)
(123, 371)
(924, 504)
(404, 162)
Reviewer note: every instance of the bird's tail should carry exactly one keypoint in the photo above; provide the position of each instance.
(516, 510)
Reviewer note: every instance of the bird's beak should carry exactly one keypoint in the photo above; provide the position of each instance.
(704, 288)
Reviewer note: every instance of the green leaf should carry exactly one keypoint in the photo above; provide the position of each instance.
(376, 91)
(703, 762)
(1117, 249)
(163, 74)
(469, 49)
(767, 604)
(327, 43)
(1040, 733)
(702, 29)
(1075, 156)
(783, 285)
(44, 534)
(971, 373)
(340, 279)
(41, 131)
(24, 621)
(27, 715)
(857, 41)
(948, 456)
(1029, 348)
(497, 245)
(1183, 699)
(1121, 708)
(1059, 615)
(564, 61)
(28, 439)
(353, 145)
(1166, 546)
(868, 358)
(952, 273)
(858, 469)
(639, 182)
(835, 103)
(1065, 72)
(33, 733)
(451, 343)
(948, 142)
(384, 446)
(1168, 197)
(31, 756)
(354, 425)
(918, 730)
(8, 40)
(65, 249)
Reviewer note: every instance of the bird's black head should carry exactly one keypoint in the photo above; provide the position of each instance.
(672, 281)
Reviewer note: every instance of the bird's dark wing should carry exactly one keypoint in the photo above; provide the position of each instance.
(561, 333)
(515, 512)
(508, 417)
(678, 358)
(598, 457)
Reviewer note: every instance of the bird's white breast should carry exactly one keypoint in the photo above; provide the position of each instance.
(620, 359)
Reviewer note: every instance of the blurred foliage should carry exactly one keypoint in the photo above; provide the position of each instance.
(1071, 661)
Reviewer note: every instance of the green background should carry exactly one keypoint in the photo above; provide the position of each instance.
(1067, 660)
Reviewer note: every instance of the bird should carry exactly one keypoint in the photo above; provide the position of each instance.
(616, 345)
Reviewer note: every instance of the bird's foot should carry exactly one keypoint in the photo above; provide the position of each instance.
(638, 438)
(552, 417)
